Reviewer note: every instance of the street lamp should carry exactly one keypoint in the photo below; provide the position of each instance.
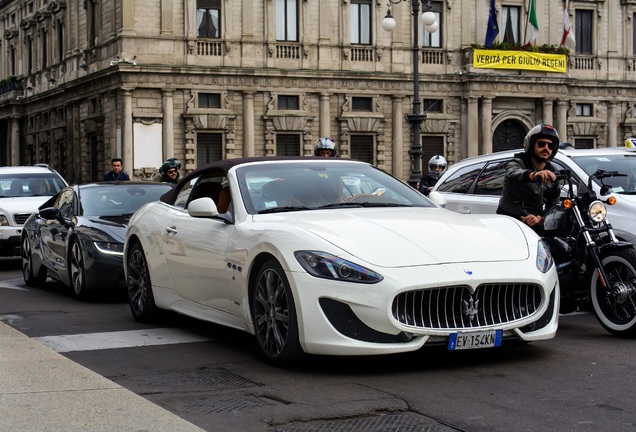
(416, 118)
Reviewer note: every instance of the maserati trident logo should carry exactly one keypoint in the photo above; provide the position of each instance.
(471, 308)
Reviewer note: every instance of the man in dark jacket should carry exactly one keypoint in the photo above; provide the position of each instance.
(116, 174)
(527, 190)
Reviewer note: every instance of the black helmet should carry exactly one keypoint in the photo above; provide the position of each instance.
(541, 131)
(175, 161)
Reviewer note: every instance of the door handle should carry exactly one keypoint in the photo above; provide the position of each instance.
(171, 229)
(464, 211)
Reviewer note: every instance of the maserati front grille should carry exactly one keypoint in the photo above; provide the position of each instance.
(457, 308)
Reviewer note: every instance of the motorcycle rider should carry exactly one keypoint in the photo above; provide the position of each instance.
(527, 190)
(436, 167)
(325, 147)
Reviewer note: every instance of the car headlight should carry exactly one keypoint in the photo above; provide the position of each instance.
(110, 248)
(4, 221)
(597, 211)
(327, 266)
(544, 257)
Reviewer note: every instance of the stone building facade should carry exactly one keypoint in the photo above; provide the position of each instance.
(83, 81)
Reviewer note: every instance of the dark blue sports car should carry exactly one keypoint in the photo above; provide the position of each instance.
(77, 236)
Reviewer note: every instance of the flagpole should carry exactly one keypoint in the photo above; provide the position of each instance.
(525, 32)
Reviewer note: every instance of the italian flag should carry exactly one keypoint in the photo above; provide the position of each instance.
(533, 24)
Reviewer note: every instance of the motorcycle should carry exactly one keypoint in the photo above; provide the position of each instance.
(595, 268)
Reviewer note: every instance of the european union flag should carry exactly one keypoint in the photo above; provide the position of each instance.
(493, 27)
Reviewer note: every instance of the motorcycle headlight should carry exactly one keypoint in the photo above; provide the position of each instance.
(327, 266)
(110, 248)
(597, 211)
(544, 257)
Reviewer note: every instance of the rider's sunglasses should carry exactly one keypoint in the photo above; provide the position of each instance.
(542, 144)
(172, 171)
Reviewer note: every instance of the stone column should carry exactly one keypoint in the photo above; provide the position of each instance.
(612, 125)
(168, 124)
(15, 142)
(473, 127)
(398, 138)
(248, 124)
(548, 115)
(325, 115)
(562, 119)
(127, 130)
(486, 125)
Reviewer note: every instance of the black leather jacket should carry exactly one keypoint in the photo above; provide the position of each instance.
(522, 196)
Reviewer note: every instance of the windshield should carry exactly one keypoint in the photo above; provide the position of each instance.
(119, 200)
(29, 185)
(624, 163)
(308, 185)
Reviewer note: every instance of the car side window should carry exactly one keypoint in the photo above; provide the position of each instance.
(65, 203)
(491, 179)
(462, 180)
(184, 194)
(581, 185)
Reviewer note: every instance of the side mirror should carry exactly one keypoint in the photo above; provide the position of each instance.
(202, 207)
(53, 213)
(437, 198)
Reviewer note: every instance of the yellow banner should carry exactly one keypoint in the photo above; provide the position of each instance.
(499, 59)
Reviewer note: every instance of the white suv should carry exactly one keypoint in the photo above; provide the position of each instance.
(474, 185)
(22, 190)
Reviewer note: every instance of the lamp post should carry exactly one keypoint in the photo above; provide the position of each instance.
(416, 118)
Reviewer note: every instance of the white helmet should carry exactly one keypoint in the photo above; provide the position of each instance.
(325, 144)
(436, 166)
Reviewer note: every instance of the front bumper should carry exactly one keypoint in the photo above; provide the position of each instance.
(354, 319)
(10, 241)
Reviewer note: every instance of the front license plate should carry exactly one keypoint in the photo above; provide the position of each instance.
(472, 340)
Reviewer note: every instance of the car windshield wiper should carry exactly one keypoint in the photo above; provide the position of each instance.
(344, 204)
(383, 204)
(283, 209)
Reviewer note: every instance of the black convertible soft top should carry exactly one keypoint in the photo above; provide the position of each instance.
(223, 166)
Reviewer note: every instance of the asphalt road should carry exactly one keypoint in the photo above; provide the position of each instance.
(582, 380)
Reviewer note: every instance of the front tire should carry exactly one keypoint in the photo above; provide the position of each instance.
(77, 273)
(274, 315)
(616, 309)
(31, 279)
(139, 287)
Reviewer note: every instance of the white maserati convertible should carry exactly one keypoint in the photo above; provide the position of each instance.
(333, 256)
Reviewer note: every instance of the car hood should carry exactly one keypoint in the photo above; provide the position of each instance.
(415, 236)
(22, 204)
(106, 228)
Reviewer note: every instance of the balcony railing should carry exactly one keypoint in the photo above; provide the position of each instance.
(210, 48)
(288, 52)
(433, 57)
(362, 54)
(583, 62)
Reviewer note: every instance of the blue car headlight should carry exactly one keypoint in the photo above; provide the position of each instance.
(109, 248)
(544, 257)
(327, 266)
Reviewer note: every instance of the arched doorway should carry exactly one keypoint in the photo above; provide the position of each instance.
(509, 135)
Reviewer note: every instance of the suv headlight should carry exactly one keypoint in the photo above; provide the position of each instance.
(327, 266)
(4, 221)
(544, 257)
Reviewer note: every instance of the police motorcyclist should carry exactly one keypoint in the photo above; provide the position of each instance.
(325, 147)
(436, 167)
(527, 190)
